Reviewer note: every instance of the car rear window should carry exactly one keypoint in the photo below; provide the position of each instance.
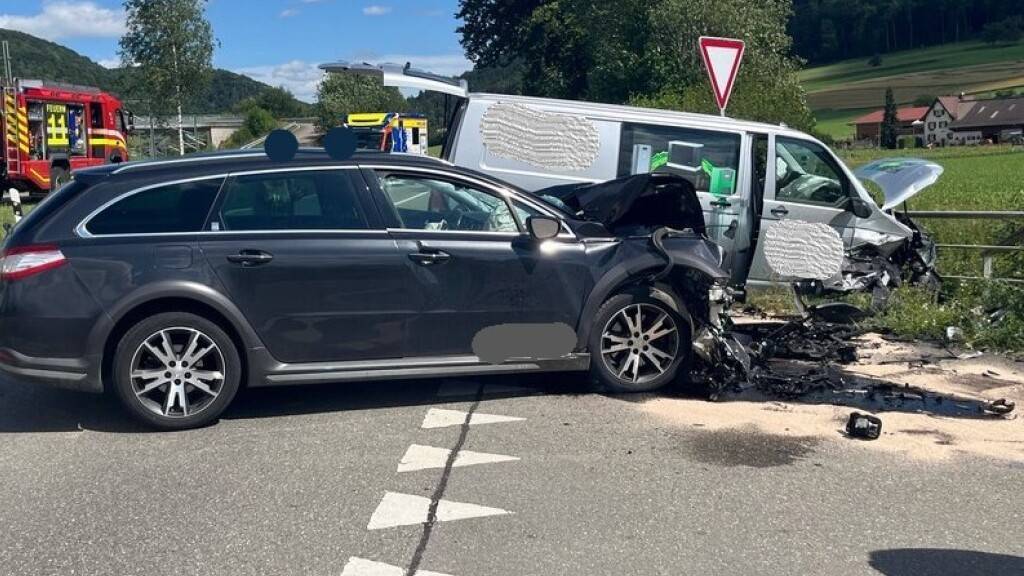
(179, 207)
(313, 200)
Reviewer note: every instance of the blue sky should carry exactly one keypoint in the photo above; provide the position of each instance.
(279, 42)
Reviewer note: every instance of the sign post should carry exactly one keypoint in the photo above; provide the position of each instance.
(722, 58)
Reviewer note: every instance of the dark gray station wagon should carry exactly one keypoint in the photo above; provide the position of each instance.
(174, 283)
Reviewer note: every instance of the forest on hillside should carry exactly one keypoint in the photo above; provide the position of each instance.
(824, 31)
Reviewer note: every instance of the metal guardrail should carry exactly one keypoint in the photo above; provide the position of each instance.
(988, 253)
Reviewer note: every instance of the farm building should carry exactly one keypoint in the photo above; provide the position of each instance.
(997, 120)
(869, 127)
(944, 112)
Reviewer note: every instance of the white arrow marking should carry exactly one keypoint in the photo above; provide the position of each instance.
(363, 567)
(423, 457)
(441, 418)
(463, 388)
(397, 509)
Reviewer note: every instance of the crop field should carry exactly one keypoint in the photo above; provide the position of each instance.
(976, 178)
(840, 92)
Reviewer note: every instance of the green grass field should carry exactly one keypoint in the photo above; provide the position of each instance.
(839, 92)
(938, 58)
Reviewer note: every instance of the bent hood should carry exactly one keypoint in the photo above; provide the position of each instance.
(900, 178)
(650, 200)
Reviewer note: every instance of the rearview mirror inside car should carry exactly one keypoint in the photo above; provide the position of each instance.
(543, 227)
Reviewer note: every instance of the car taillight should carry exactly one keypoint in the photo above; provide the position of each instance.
(25, 261)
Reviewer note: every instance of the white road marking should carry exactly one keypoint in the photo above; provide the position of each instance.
(363, 567)
(419, 457)
(441, 418)
(397, 509)
(464, 388)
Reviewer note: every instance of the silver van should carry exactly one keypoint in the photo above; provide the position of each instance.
(754, 180)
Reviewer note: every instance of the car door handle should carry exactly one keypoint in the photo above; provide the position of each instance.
(780, 211)
(430, 258)
(721, 204)
(251, 258)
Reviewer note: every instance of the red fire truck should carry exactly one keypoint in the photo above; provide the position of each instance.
(50, 129)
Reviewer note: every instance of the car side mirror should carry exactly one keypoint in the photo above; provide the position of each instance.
(543, 227)
(860, 208)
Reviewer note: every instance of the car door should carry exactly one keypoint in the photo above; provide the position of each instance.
(804, 183)
(303, 254)
(711, 161)
(464, 243)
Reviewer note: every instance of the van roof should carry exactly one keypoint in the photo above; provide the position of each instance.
(649, 115)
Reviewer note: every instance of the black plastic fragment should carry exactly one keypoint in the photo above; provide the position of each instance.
(864, 426)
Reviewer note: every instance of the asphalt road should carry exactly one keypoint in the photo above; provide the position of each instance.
(307, 481)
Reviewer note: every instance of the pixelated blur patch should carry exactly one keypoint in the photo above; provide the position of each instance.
(340, 142)
(281, 145)
(502, 342)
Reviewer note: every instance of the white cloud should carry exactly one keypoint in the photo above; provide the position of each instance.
(68, 19)
(376, 10)
(109, 62)
(300, 77)
(288, 13)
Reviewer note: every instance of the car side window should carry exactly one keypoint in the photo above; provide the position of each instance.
(806, 173)
(174, 208)
(708, 159)
(424, 203)
(313, 200)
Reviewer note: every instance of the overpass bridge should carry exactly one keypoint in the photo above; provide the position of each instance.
(158, 136)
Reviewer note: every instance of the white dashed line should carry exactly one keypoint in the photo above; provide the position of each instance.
(441, 418)
(397, 509)
(419, 457)
(363, 567)
(465, 388)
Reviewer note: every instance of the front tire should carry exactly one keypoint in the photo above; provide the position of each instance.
(638, 343)
(176, 370)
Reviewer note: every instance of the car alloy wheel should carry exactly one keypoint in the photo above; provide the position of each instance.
(177, 372)
(639, 343)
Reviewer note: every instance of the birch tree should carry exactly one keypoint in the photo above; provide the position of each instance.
(171, 44)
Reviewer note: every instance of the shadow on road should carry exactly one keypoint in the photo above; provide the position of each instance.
(32, 408)
(940, 562)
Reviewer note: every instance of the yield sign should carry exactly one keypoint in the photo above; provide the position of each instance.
(722, 59)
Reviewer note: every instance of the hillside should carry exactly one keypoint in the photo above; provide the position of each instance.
(842, 91)
(37, 58)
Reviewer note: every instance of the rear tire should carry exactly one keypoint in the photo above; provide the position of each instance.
(176, 370)
(638, 342)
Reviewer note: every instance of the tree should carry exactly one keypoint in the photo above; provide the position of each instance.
(889, 138)
(342, 94)
(643, 51)
(171, 43)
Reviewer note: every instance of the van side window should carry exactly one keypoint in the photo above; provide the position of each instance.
(292, 201)
(806, 173)
(708, 159)
(166, 209)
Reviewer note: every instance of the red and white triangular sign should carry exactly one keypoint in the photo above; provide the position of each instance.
(722, 58)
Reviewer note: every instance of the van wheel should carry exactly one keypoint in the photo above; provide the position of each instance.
(176, 370)
(639, 343)
(59, 176)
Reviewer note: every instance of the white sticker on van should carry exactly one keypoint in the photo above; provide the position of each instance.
(811, 251)
(542, 139)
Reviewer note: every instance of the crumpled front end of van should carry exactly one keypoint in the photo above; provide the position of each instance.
(879, 262)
